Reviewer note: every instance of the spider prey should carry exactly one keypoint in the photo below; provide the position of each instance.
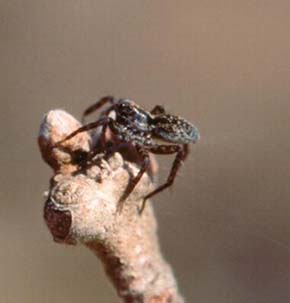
(132, 124)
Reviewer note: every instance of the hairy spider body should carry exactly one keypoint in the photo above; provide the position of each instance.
(132, 124)
(174, 129)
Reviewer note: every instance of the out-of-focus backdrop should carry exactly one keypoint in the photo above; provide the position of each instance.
(225, 66)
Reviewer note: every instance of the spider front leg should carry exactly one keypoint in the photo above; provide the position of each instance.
(97, 105)
(181, 154)
(132, 183)
(89, 126)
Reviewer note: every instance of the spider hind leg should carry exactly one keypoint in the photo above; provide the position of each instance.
(158, 110)
(181, 154)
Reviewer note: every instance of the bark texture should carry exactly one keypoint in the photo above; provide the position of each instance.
(82, 208)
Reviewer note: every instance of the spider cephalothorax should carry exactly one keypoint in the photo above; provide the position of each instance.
(140, 128)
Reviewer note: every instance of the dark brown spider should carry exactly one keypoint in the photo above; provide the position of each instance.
(132, 124)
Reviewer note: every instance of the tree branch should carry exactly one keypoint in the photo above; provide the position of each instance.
(82, 208)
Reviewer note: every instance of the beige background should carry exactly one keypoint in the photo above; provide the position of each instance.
(224, 65)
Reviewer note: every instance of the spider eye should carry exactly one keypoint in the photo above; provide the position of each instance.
(126, 107)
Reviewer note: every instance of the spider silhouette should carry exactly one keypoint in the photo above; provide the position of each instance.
(142, 129)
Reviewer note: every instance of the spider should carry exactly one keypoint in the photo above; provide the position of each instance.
(140, 128)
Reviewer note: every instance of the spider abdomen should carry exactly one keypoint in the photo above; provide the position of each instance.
(175, 129)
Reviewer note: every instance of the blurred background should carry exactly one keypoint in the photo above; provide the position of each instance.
(225, 66)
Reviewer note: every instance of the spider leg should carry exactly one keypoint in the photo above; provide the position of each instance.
(103, 136)
(132, 183)
(101, 141)
(84, 128)
(181, 154)
(158, 110)
(97, 105)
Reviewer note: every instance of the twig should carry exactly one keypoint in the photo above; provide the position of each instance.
(82, 208)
